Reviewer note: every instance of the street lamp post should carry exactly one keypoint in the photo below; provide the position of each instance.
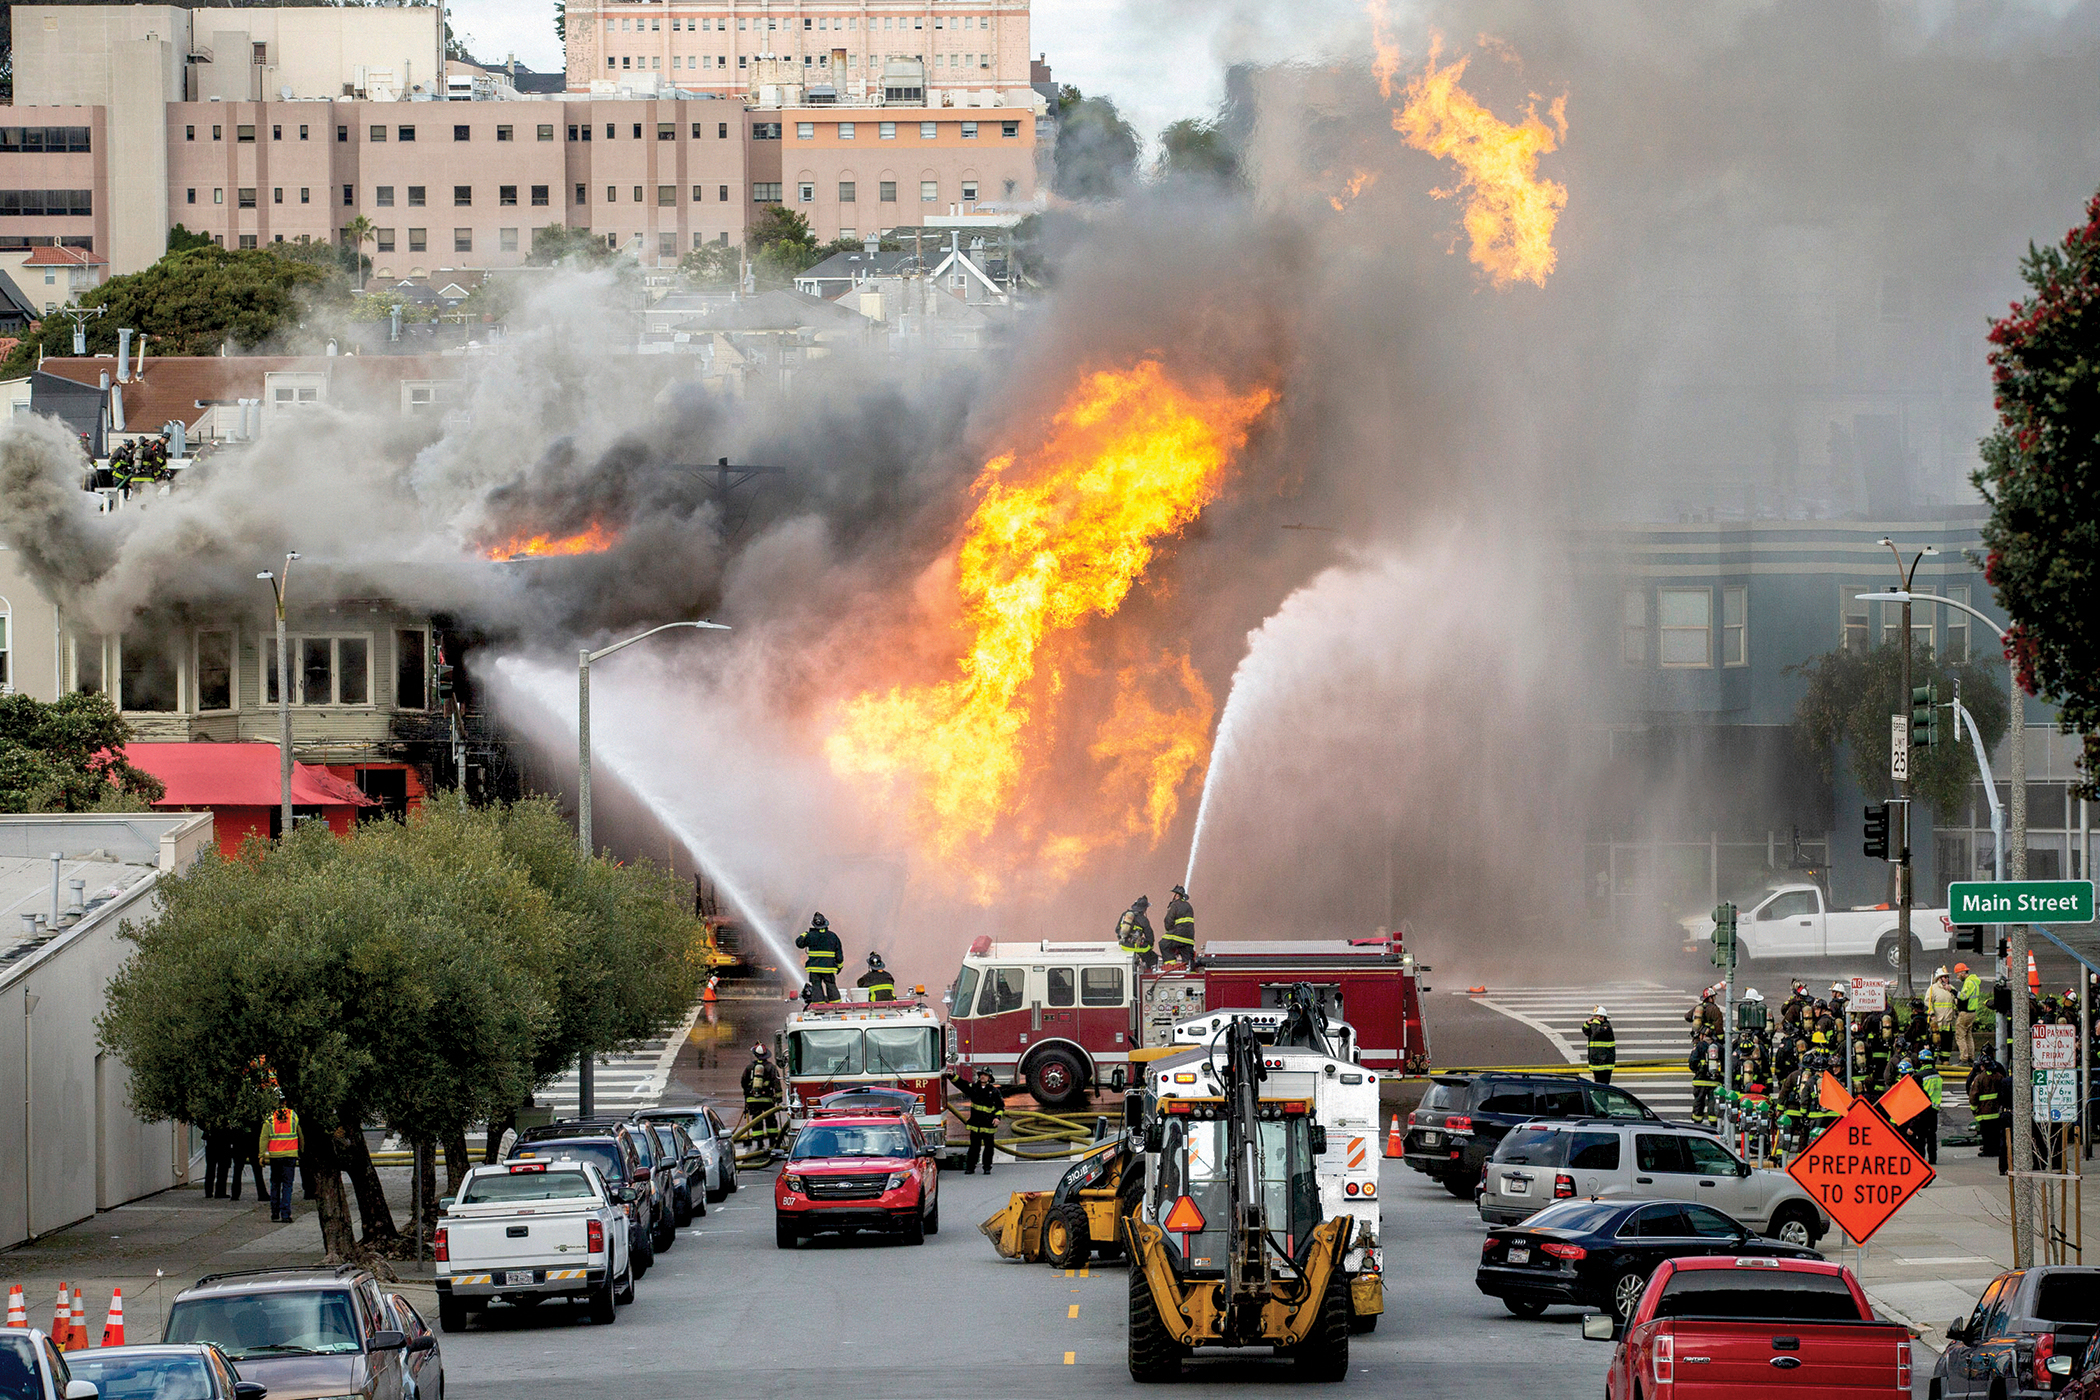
(278, 584)
(2013, 854)
(584, 657)
(1903, 900)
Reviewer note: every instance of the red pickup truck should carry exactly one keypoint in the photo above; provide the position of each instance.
(1754, 1325)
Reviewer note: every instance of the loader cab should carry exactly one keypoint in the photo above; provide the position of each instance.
(1187, 1177)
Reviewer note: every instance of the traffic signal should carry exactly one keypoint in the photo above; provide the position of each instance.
(1723, 953)
(1924, 715)
(445, 685)
(1877, 832)
(1968, 938)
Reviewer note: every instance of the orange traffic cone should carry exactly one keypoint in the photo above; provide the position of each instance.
(113, 1329)
(62, 1319)
(709, 994)
(2034, 975)
(76, 1339)
(1392, 1140)
(17, 1307)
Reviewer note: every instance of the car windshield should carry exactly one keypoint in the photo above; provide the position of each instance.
(599, 1154)
(1576, 1217)
(2069, 1297)
(296, 1321)
(161, 1377)
(1759, 1293)
(1537, 1147)
(18, 1378)
(493, 1189)
(695, 1121)
(831, 1140)
(825, 1051)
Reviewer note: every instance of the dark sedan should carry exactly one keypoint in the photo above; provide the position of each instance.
(1599, 1253)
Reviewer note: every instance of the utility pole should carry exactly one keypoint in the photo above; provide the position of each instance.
(278, 585)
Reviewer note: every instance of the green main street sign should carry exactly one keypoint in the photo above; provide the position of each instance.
(2020, 902)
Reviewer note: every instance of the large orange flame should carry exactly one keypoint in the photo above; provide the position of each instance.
(1060, 535)
(1385, 60)
(594, 539)
(1510, 212)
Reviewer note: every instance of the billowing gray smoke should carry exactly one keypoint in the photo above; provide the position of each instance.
(1786, 224)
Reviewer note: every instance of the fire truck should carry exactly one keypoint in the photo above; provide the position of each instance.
(837, 1045)
(1060, 1018)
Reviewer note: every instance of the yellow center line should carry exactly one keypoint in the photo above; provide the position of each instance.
(1072, 1311)
(1068, 1273)
(1069, 1356)
(1084, 1274)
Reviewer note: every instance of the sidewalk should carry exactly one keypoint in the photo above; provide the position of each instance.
(1940, 1251)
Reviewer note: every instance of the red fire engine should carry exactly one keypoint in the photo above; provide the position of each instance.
(1057, 1018)
(861, 1044)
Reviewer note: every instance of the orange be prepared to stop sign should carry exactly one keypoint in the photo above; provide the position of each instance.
(1861, 1171)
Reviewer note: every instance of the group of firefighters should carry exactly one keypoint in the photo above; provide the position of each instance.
(1176, 944)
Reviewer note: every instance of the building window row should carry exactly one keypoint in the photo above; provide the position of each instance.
(887, 131)
(810, 24)
(1934, 630)
(47, 203)
(44, 138)
(1684, 631)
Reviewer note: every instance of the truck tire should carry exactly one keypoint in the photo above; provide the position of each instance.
(1056, 1081)
(915, 1229)
(1794, 1225)
(1886, 950)
(666, 1233)
(603, 1307)
(785, 1235)
(624, 1293)
(1324, 1354)
(641, 1254)
(1066, 1237)
(1154, 1356)
(452, 1314)
(933, 1217)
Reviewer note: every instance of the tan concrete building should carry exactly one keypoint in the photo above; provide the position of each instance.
(856, 171)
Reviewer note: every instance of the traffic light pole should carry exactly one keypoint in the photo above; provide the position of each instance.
(1903, 791)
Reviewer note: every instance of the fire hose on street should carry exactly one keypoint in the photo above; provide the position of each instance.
(756, 1138)
(1042, 1137)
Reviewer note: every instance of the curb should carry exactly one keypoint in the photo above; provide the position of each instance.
(1917, 1331)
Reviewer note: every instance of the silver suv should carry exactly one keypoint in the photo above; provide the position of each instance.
(1542, 1161)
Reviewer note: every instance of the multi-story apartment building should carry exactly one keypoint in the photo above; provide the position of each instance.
(131, 118)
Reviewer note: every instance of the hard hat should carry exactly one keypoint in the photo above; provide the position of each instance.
(1904, 1066)
(1925, 1056)
(1940, 971)
(984, 1072)
(1179, 893)
(1142, 902)
(874, 960)
(1839, 987)
(1597, 1011)
(759, 1051)
(817, 921)
(1961, 967)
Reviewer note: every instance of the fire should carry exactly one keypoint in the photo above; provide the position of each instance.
(1061, 533)
(1510, 212)
(1354, 186)
(594, 539)
(1385, 61)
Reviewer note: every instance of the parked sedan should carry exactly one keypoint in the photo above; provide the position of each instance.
(30, 1365)
(197, 1369)
(681, 1159)
(424, 1378)
(1599, 1253)
(711, 1136)
(2025, 1320)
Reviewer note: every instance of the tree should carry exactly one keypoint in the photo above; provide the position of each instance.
(561, 21)
(68, 756)
(2041, 477)
(356, 234)
(189, 303)
(1195, 151)
(1096, 150)
(712, 265)
(558, 243)
(425, 974)
(181, 240)
(781, 245)
(1851, 695)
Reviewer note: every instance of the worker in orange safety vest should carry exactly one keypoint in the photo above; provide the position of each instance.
(279, 1146)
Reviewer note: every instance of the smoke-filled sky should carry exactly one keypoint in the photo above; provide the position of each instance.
(1769, 231)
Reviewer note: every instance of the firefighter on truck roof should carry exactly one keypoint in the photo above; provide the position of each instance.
(878, 982)
(824, 959)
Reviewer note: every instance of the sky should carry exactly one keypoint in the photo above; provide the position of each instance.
(1160, 59)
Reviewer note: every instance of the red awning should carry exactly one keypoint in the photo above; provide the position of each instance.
(238, 775)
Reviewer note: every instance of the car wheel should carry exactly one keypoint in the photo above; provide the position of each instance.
(604, 1303)
(642, 1253)
(625, 1292)
(1626, 1291)
(1793, 1225)
(683, 1215)
(1459, 1181)
(666, 1234)
(915, 1229)
(452, 1314)
(729, 1173)
(1066, 1237)
(1056, 1081)
(933, 1217)
(1526, 1307)
(696, 1206)
(1887, 950)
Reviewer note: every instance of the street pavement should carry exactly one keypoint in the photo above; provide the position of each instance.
(623, 1082)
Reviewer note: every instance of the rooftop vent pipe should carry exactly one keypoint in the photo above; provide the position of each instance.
(124, 355)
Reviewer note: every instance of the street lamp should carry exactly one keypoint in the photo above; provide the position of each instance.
(584, 657)
(1903, 900)
(2015, 852)
(278, 584)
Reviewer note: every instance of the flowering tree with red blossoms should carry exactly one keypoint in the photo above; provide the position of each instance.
(2041, 477)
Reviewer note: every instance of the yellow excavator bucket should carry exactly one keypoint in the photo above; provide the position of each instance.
(1017, 1230)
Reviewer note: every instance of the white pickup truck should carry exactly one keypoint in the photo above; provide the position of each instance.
(1794, 921)
(523, 1232)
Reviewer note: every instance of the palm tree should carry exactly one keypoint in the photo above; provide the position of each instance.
(356, 234)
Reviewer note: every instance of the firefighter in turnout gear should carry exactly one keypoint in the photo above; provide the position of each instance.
(761, 1094)
(880, 985)
(1816, 1116)
(986, 1104)
(1990, 1095)
(823, 960)
(1791, 1011)
(1603, 1045)
(1705, 1065)
(1177, 940)
(1705, 1018)
(1134, 933)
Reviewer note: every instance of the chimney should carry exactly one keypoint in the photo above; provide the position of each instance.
(57, 873)
(79, 889)
(116, 409)
(124, 355)
(394, 316)
(332, 350)
(29, 925)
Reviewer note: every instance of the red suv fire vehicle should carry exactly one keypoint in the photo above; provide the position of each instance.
(1056, 1018)
(858, 1171)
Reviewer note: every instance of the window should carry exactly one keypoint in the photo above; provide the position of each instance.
(1594, 1152)
(462, 133)
(302, 133)
(1854, 630)
(1507, 1099)
(463, 195)
(889, 131)
(406, 133)
(583, 195)
(1795, 904)
(546, 131)
(1686, 635)
(765, 192)
(667, 131)
(349, 196)
(1009, 129)
(384, 240)
(418, 240)
(1633, 627)
(1607, 1102)
(846, 191)
(1709, 1158)
(805, 131)
(506, 195)
(969, 191)
(929, 191)
(721, 131)
(765, 131)
(637, 131)
(191, 197)
(1735, 626)
(342, 133)
(506, 240)
(846, 131)
(325, 671)
(244, 135)
(304, 192)
(218, 196)
(379, 133)
(146, 677)
(722, 193)
(1101, 986)
(969, 131)
(886, 191)
(1002, 990)
(247, 240)
(806, 192)
(215, 670)
(383, 196)
(462, 240)
(667, 245)
(1659, 1152)
(415, 196)
(87, 665)
(928, 130)
(1957, 625)
(189, 133)
(218, 133)
(277, 195)
(539, 196)
(666, 196)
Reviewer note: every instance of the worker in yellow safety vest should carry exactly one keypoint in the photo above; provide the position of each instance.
(279, 1146)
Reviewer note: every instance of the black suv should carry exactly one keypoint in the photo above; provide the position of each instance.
(625, 1159)
(1463, 1118)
